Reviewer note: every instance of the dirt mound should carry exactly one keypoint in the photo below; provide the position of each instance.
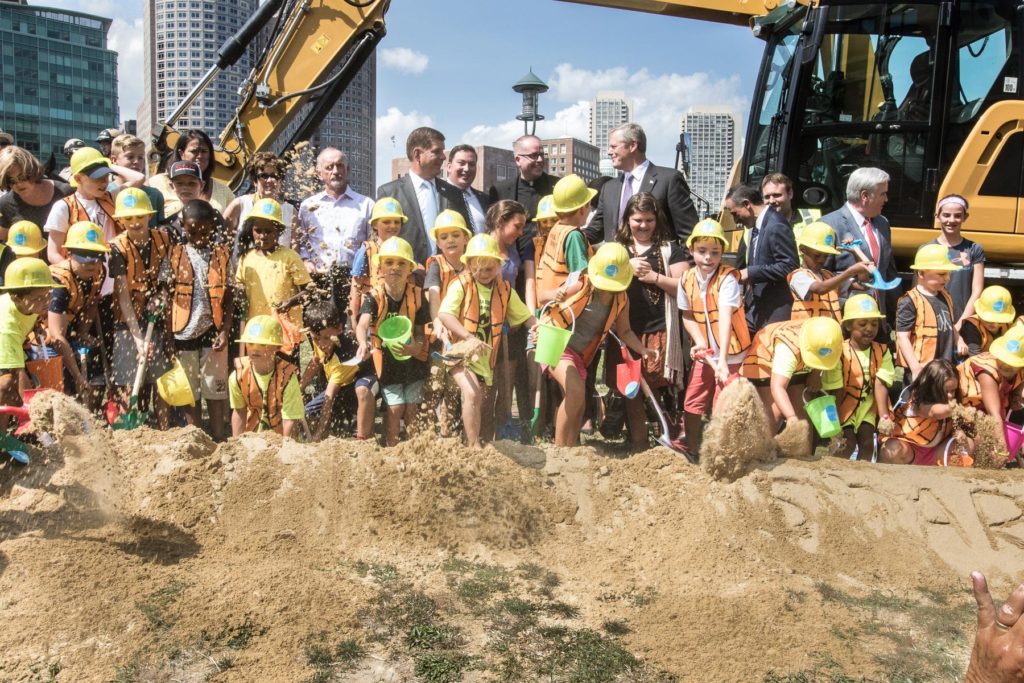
(138, 556)
(737, 437)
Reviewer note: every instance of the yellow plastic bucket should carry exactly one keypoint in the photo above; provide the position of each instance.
(174, 387)
(552, 340)
(824, 415)
(394, 332)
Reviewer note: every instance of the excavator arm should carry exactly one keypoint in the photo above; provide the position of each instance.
(719, 11)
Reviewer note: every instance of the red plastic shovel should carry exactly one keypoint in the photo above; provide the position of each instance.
(627, 375)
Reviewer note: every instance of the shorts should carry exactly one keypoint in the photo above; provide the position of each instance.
(404, 394)
(126, 359)
(797, 380)
(703, 389)
(927, 455)
(368, 380)
(207, 372)
(575, 358)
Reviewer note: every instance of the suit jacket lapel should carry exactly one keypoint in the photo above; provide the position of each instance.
(650, 178)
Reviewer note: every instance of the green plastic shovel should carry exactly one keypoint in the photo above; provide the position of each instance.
(134, 418)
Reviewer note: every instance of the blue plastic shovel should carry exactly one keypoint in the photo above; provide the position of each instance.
(877, 281)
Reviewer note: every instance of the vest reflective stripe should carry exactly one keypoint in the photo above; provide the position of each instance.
(141, 278)
(559, 316)
(77, 299)
(470, 315)
(216, 283)
(758, 363)
(925, 335)
(923, 431)
(372, 270)
(77, 212)
(739, 338)
(818, 305)
(855, 384)
(553, 269)
(246, 376)
(970, 387)
(412, 299)
(448, 273)
(986, 337)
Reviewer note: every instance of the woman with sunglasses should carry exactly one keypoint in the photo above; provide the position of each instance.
(266, 170)
(29, 195)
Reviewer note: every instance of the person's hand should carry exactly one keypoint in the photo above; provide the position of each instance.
(641, 267)
(651, 355)
(1016, 401)
(412, 348)
(532, 337)
(743, 275)
(559, 295)
(915, 369)
(442, 332)
(697, 349)
(220, 341)
(862, 270)
(961, 347)
(722, 369)
(998, 652)
(140, 345)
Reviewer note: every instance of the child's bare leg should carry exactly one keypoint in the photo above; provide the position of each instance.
(9, 395)
(218, 418)
(637, 417)
(190, 414)
(502, 391)
(411, 417)
(490, 417)
(895, 452)
(865, 441)
(162, 410)
(472, 403)
(366, 405)
(392, 424)
(569, 418)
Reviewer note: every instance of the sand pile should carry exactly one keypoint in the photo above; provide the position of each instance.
(162, 556)
(794, 441)
(737, 437)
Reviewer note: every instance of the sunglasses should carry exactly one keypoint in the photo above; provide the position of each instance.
(269, 176)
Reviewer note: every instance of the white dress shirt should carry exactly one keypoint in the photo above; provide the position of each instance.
(426, 197)
(636, 177)
(331, 229)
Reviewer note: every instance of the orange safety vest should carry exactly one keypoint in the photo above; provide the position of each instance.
(78, 299)
(819, 305)
(501, 292)
(970, 387)
(246, 376)
(372, 270)
(553, 269)
(758, 363)
(216, 283)
(448, 273)
(705, 312)
(411, 302)
(856, 384)
(559, 316)
(923, 431)
(986, 337)
(141, 277)
(77, 212)
(925, 335)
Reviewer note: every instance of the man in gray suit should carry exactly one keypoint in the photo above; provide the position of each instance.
(861, 219)
(461, 174)
(422, 193)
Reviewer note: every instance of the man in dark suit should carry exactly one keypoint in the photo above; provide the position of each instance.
(530, 184)
(861, 219)
(766, 261)
(421, 193)
(461, 174)
(627, 149)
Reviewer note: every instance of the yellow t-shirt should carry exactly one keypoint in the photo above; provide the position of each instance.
(291, 407)
(516, 315)
(15, 328)
(334, 369)
(269, 279)
(832, 380)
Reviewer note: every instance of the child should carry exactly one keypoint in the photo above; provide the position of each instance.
(862, 378)
(186, 180)
(711, 300)
(386, 221)
(546, 219)
(74, 308)
(786, 356)
(26, 296)
(816, 290)
(967, 279)
(993, 314)
(992, 381)
(23, 239)
(324, 326)
(566, 249)
(922, 428)
(402, 379)
(599, 305)
(264, 387)
(451, 234)
(272, 276)
(924, 315)
(477, 306)
(197, 273)
(128, 151)
(135, 259)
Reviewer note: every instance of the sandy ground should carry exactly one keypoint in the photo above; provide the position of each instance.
(115, 544)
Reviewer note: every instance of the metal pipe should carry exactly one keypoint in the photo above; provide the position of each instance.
(196, 90)
(281, 43)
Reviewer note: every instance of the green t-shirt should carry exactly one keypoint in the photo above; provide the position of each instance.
(15, 327)
(291, 406)
(576, 252)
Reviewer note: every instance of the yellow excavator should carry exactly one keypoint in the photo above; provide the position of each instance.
(928, 91)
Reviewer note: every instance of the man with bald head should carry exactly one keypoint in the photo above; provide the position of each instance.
(530, 183)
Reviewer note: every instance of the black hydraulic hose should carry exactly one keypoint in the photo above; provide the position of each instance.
(234, 47)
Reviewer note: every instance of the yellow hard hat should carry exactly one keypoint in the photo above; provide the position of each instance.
(861, 307)
(263, 329)
(708, 228)
(85, 158)
(821, 341)
(28, 273)
(933, 257)
(818, 236)
(25, 238)
(571, 193)
(447, 220)
(397, 247)
(609, 269)
(387, 207)
(482, 245)
(86, 236)
(1009, 348)
(546, 208)
(131, 201)
(266, 208)
(995, 305)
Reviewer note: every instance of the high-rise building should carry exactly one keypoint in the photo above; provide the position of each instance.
(709, 136)
(182, 38)
(571, 155)
(610, 109)
(59, 78)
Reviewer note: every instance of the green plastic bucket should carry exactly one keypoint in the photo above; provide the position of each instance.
(824, 415)
(394, 332)
(552, 340)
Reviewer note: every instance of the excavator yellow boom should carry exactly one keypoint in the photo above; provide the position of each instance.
(719, 11)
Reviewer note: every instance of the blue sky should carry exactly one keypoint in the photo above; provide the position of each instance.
(451, 64)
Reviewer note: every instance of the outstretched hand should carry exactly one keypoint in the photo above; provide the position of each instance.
(998, 653)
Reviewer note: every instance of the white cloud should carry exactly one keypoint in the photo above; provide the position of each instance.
(392, 130)
(126, 38)
(572, 121)
(404, 60)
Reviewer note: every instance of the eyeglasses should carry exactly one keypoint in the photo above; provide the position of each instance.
(536, 156)
(268, 176)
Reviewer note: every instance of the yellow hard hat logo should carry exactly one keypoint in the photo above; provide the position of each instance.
(391, 206)
(92, 236)
(267, 208)
(20, 239)
(128, 202)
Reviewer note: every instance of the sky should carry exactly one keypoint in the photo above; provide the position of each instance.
(451, 64)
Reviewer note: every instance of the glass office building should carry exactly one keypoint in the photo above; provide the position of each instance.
(59, 78)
